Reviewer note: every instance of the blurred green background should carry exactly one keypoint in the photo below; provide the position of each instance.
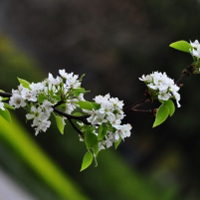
(113, 42)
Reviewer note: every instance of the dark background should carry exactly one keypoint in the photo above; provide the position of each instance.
(113, 42)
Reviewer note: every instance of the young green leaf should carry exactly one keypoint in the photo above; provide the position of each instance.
(171, 107)
(24, 83)
(60, 123)
(90, 139)
(181, 46)
(102, 131)
(78, 91)
(118, 143)
(161, 115)
(41, 98)
(96, 149)
(5, 114)
(85, 105)
(87, 160)
(77, 114)
(6, 105)
(95, 105)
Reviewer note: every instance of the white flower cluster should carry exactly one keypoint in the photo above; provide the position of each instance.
(39, 98)
(195, 51)
(110, 113)
(164, 87)
(1, 104)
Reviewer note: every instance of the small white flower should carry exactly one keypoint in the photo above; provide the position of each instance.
(195, 51)
(47, 106)
(43, 126)
(54, 81)
(37, 87)
(1, 104)
(17, 101)
(164, 95)
(63, 73)
(29, 95)
(194, 44)
(71, 79)
(123, 131)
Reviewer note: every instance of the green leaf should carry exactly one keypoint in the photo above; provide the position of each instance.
(60, 123)
(77, 114)
(171, 107)
(181, 46)
(118, 143)
(95, 105)
(78, 91)
(87, 160)
(85, 105)
(41, 98)
(6, 105)
(5, 114)
(90, 138)
(161, 115)
(25, 83)
(102, 131)
(96, 149)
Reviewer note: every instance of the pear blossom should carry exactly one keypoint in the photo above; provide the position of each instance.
(164, 87)
(29, 95)
(40, 98)
(110, 113)
(195, 51)
(17, 101)
(43, 126)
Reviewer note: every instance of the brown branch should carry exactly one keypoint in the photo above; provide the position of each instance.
(137, 104)
(68, 116)
(76, 129)
(142, 110)
(5, 94)
(186, 72)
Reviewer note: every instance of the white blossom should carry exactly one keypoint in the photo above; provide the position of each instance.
(37, 87)
(163, 85)
(29, 95)
(195, 51)
(123, 131)
(110, 113)
(47, 106)
(194, 44)
(43, 126)
(1, 104)
(54, 81)
(17, 101)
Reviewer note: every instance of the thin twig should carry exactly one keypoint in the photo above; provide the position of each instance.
(75, 128)
(82, 118)
(142, 110)
(5, 94)
(137, 104)
(186, 72)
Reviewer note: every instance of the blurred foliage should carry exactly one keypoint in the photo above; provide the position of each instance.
(30, 153)
(15, 63)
